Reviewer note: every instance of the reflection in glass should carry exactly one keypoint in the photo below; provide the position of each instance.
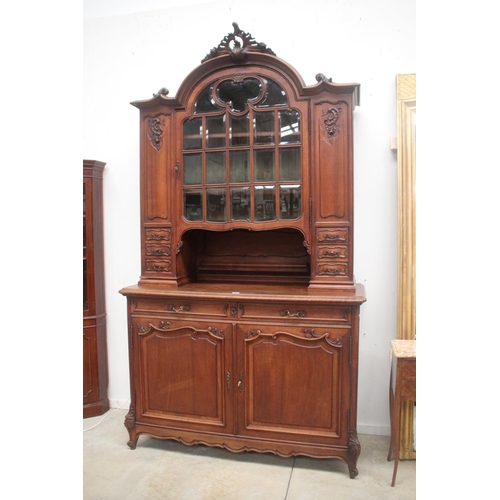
(205, 102)
(193, 205)
(289, 126)
(239, 166)
(265, 203)
(192, 169)
(216, 132)
(264, 127)
(240, 203)
(192, 133)
(239, 131)
(290, 164)
(216, 168)
(264, 165)
(290, 202)
(275, 96)
(216, 205)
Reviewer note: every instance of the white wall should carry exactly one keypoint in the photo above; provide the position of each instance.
(130, 56)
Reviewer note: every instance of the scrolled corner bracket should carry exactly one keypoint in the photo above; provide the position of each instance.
(162, 92)
(320, 77)
(307, 246)
(237, 45)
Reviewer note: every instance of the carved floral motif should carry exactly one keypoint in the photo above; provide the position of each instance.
(156, 128)
(330, 119)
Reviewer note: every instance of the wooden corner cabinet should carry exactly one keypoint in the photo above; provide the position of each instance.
(95, 367)
(243, 327)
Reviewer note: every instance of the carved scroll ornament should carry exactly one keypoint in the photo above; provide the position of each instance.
(155, 134)
(237, 45)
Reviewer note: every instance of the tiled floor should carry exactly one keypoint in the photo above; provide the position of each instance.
(161, 469)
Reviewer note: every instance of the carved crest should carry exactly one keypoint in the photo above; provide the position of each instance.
(237, 45)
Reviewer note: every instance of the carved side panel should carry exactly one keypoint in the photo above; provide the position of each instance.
(332, 162)
(155, 160)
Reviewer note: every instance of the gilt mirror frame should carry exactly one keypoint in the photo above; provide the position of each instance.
(406, 86)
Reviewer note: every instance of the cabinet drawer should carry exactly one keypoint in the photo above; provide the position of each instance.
(182, 306)
(336, 252)
(294, 312)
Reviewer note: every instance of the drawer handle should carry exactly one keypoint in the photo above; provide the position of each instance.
(171, 308)
(298, 314)
(240, 382)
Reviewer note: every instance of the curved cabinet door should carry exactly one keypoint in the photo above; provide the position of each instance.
(183, 374)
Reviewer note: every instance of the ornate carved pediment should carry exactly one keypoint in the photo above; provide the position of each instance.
(237, 45)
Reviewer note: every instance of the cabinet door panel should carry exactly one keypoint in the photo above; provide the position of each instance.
(90, 372)
(183, 372)
(295, 382)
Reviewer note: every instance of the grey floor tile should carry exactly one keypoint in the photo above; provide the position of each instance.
(163, 469)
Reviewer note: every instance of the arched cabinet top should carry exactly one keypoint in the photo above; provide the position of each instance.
(240, 50)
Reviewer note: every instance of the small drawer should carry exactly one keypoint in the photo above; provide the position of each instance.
(180, 307)
(332, 269)
(158, 265)
(335, 252)
(158, 234)
(332, 234)
(294, 312)
(155, 250)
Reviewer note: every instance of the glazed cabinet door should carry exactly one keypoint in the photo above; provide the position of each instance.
(294, 383)
(183, 372)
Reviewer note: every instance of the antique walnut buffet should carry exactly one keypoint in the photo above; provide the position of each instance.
(243, 328)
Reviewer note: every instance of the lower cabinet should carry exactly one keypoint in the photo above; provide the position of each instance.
(203, 374)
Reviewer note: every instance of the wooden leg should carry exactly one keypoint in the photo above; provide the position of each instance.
(354, 449)
(397, 431)
(391, 420)
(130, 425)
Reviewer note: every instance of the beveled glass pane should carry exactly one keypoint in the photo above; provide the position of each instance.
(192, 133)
(264, 127)
(265, 202)
(289, 126)
(205, 102)
(216, 168)
(275, 96)
(192, 169)
(290, 164)
(193, 205)
(239, 131)
(239, 162)
(240, 203)
(290, 202)
(216, 205)
(264, 165)
(216, 131)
